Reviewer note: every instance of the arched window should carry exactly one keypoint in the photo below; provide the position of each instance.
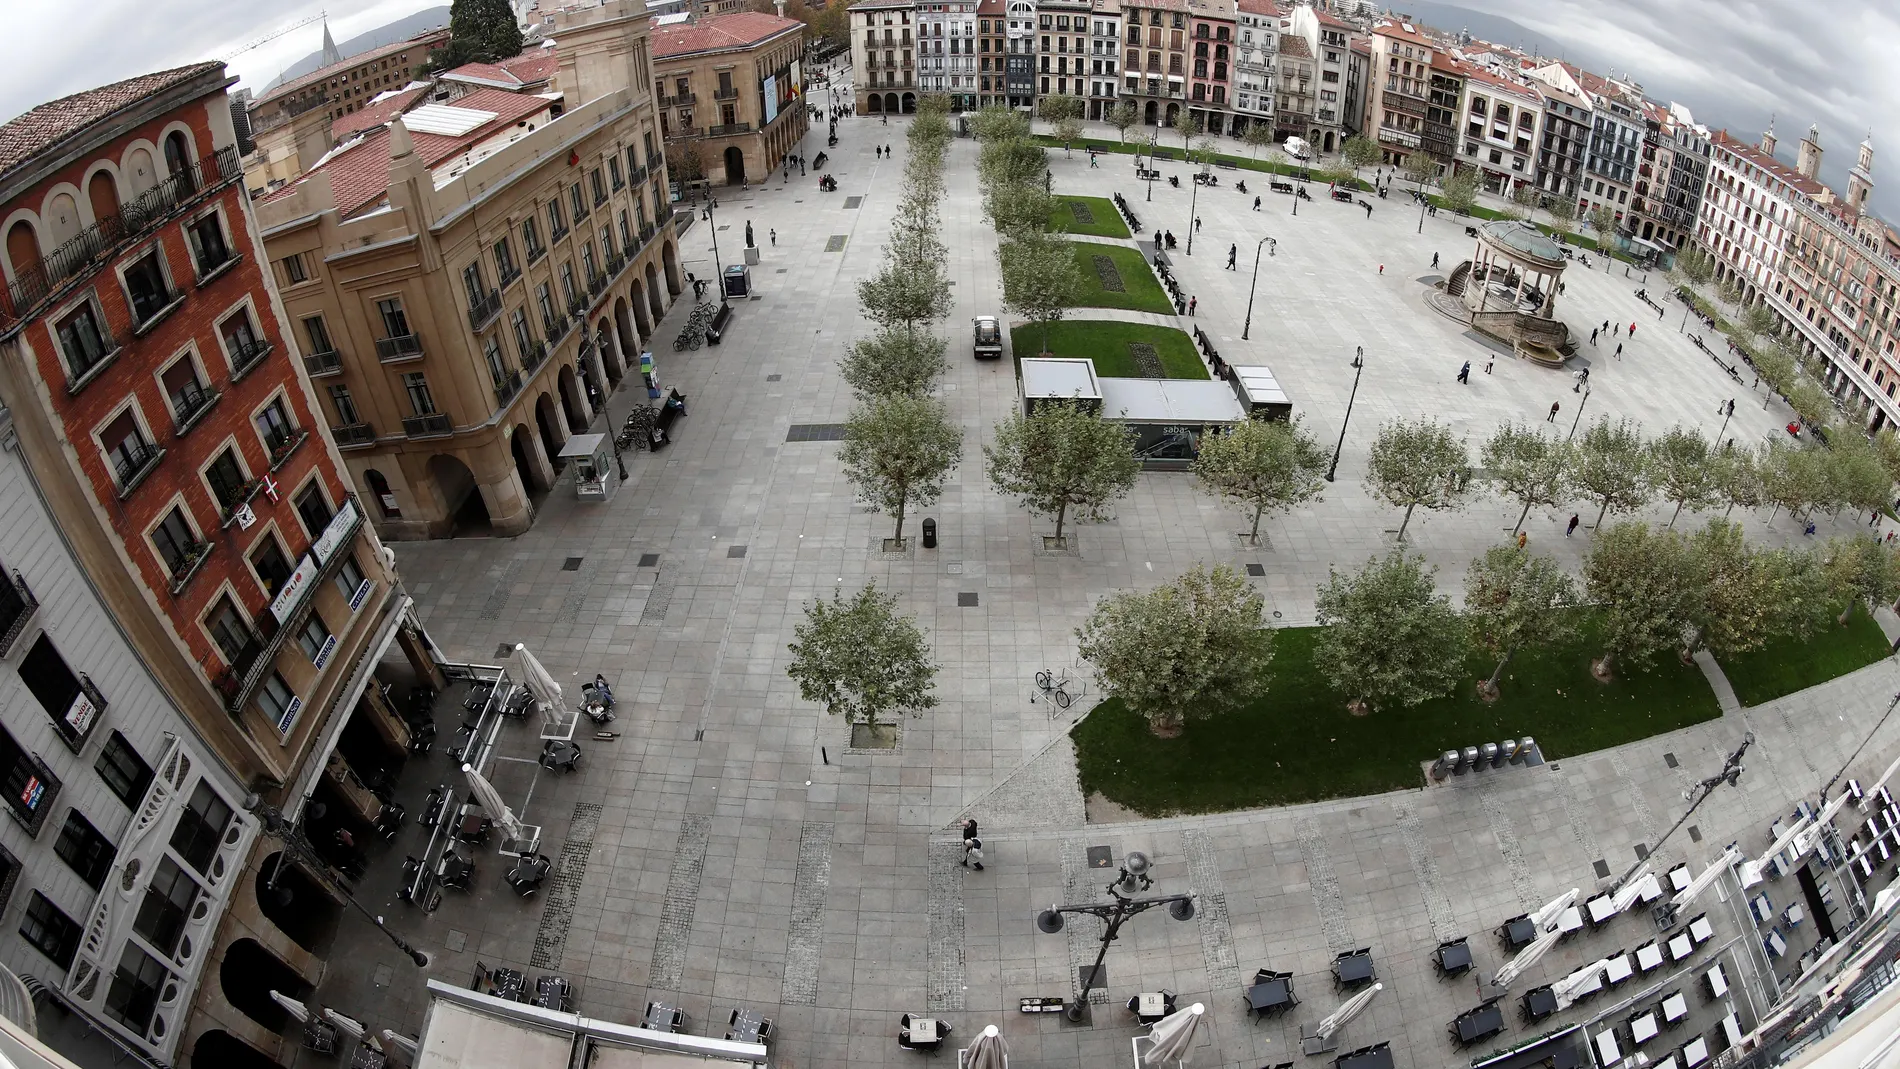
(178, 161)
(379, 488)
(23, 249)
(103, 194)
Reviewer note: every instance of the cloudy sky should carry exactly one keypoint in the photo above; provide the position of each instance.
(1733, 62)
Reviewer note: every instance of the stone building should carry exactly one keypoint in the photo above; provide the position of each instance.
(883, 60)
(1154, 60)
(1399, 92)
(990, 86)
(1499, 130)
(1256, 55)
(1105, 52)
(1327, 41)
(1211, 81)
(1062, 38)
(733, 87)
(469, 282)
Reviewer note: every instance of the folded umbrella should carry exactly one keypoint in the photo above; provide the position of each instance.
(987, 1051)
(490, 798)
(1173, 1036)
(345, 1024)
(1349, 1009)
(1526, 958)
(1546, 916)
(547, 693)
(291, 1006)
(1631, 888)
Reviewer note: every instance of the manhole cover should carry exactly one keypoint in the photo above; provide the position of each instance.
(572, 564)
(504, 649)
(649, 560)
(835, 243)
(773, 378)
(1603, 869)
(1670, 760)
(1642, 852)
(966, 600)
(1101, 857)
(1256, 570)
(1110, 275)
(1695, 834)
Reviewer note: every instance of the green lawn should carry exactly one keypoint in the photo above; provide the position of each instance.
(1784, 667)
(1107, 344)
(1141, 290)
(1299, 744)
(1106, 220)
(1170, 150)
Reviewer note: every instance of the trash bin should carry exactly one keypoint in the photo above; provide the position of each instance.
(1471, 758)
(930, 533)
(1511, 752)
(1503, 754)
(1458, 762)
(1442, 767)
(1490, 752)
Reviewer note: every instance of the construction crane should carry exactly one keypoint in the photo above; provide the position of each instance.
(272, 36)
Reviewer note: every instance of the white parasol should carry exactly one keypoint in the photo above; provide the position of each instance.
(1546, 917)
(490, 798)
(1567, 988)
(1631, 888)
(1705, 878)
(291, 1006)
(547, 693)
(1807, 842)
(1526, 958)
(345, 1024)
(1752, 869)
(1172, 1039)
(401, 1042)
(987, 1051)
(1347, 1010)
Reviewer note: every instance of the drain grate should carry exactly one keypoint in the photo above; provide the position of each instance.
(572, 564)
(682, 900)
(1670, 760)
(1110, 275)
(1602, 868)
(1695, 833)
(835, 243)
(852, 202)
(966, 600)
(1256, 570)
(810, 886)
(649, 560)
(774, 378)
(1146, 359)
(498, 598)
(563, 889)
(658, 602)
(815, 432)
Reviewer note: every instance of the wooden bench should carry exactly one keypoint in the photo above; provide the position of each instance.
(1225, 165)
(1280, 187)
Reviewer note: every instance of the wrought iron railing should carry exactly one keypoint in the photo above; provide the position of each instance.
(133, 464)
(507, 386)
(484, 310)
(432, 425)
(399, 348)
(327, 362)
(17, 606)
(247, 355)
(532, 356)
(189, 403)
(350, 434)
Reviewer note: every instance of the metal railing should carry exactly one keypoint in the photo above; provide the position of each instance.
(236, 683)
(211, 262)
(187, 565)
(17, 606)
(399, 348)
(726, 94)
(136, 463)
(149, 304)
(655, 160)
(535, 252)
(282, 443)
(555, 327)
(510, 275)
(433, 425)
(35, 283)
(507, 387)
(482, 311)
(190, 403)
(532, 356)
(680, 101)
(327, 362)
(248, 355)
(729, 128)
(682, 133)
(350, 434)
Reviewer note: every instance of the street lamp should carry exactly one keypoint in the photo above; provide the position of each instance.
(719, 264)
(1151, 171)
(1273, 247)
(1122, 891)
(294, 843)
(1579, 416)
(1194, 199)
(1695, 796)
(1359, 368)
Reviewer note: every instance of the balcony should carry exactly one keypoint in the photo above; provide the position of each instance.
(1402, 138)
(17, 607)
(684, 100)
(655, 160)
(433, 425)
(638, 177)
(577, 306)
(232, 499)
(237, 682)
(187, 566)
(596, 284)
(350, 435)
(1399, 102)
(282, 445)
(556, 328)
(726, 94)
(189, 406)
(535, 252)
(483, 311)
(557, 233)
(507, 387)
(37, 283)
(137, 462)
(150, 306)
(213, 263)
(327, 362)
(532, 356)
(510, 275)
(730, 129)
(399, 349)
(245, 356)
(682, 133)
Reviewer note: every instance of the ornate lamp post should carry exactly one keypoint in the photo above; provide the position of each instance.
(1272, 247)
(1695, 796)
(1122, 905)
(294, 843)
(1358, 369)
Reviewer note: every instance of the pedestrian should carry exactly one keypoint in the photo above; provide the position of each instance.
(773, 234)
(1632, 328)
(1606, 326)
(1434, 261)
(1573, 525)
(1256, 204)
(1192, 301)
(1619, 350)
(1658, 311)
(1488, 361)
(1197, 224)
(969, 828)
(1552, 418)
(1593, 335)
(1382, 269)
(1232, 252)
(973, 854)
(1367, 205)
(1522, 538)
(1464, 374)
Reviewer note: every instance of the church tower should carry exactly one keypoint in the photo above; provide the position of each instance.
(1860, 180)
(331, 56)
(1768, 137)
(1808, 161)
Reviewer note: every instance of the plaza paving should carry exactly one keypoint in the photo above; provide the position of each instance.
(727, 850)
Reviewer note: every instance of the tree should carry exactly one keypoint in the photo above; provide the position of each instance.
(1611, 467)
(1529, 198)
(1418, 462)
(1420, 170)
(1856, 476)
(1257, 136)
(1041, 281)
(1359, 152)
(898, 450)
(905, 294)
(1516, 599)
(1736, 610)
(1060, 458)
(1862, 570)
(1194, 648)
(1602, 223)
(1528, 466)
(1265, 465)
(1887, 448)
(1679, 462)
(1121, 117)
(1810, 403)
(1068, 130)
(1645, 584)
(860, 658)
(1758, 320)
(1387, 636)
(1190, 128)
(481, 31)
(1776, 367)
(1695, 266)
(1461, 192)
(1015, 207)
(1793, 478)
(1737, 477)
(1563, 215)
(1057, 107)
(893, 362)
(997, 123)
(686, 161)
(1016, 159)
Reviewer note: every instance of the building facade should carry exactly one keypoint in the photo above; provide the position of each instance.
(1019, 67)
(1293, 86)
(735, 83)
(1256, 59)
(1747, 209)
(990, 19)
(882, 59)
(946, 50)
(1398, 91)
(1686, 154)
(1063, 32)
(1329, 41)
(1105, 50)
(1154, 58)
(1210, 85)
(1499, 131)
(158, 403)
(1565, 141)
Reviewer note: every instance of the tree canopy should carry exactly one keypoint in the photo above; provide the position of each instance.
(860, 658)
(1418, 462)
(1263, 465)
(898, 449)
(1062, 458)
(1387, 636)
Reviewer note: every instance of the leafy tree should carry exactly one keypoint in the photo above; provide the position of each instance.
(1193, 648)
(1862, 569)
(1563, 215)
(1420, 170)
(1010, 160)
(686, 161)
(898, 449)
(1418, 462)
(1856, 476)
(1056, 107)
(860, 658)
(1646, 585)
(1515, 599)
(1359, 153)
(1529, 198)
(1695, 266)
(1793, 478)
(997, 123)
(1810, 403)
(905, 294)
(1461, 191)
(1121, 117)
(1528, 466)
(1804, 593)
(481, 31)
(1257, 136)
(1060, 458)
(894, 362)
(1041, 281)
(1759, 319)
(1015, 207)
(1602, 223)
(1611, 467)
(1190, 127)
(1737, 477)
(1887, 448)
(1068, 131)
(1265, 465)
(1776, 367)
(1736, 609)
(1679, 462)
(1387, 636)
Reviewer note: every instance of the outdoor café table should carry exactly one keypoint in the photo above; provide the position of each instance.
(1679, 878)
(745, 1026)
(1354, 968)
(1570, 920)
(660, 1017)
(1695, 1052)
(1775, 945)
(1540, 1002)
(1270, 994)
(925, 1032)
(1643, 1029)
(1607, 1052)
(1718, 981)
(1648, 956)
(1486, 1020)
(1617, 969)
(1375, 1057)
(1151, 1006)
(1649, 889)
(1680, 946)
(1519, 931)
(1701, 930)
(1732, 1030)
(1601, 908)
(1667, 1061)
(1675, 1008)
(1794, 915)
(1454, 957)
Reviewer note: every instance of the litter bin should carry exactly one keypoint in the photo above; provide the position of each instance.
(1490, 752)
(930, 533)
(737, 280)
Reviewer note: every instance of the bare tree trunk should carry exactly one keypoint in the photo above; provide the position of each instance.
(1406, 521)
(1254, 535)
(1521, 515)
(901, 502)
(1673, 515)
(1602, 512)
(1492, 683)
(1062, 511)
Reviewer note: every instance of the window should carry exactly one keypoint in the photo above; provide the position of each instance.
(240, 339)
(416, 385)
(278, 703)
(497, 364)
(600, 187)
(579, 202)
(81, 846)
(587, 262)
(272, 567)
(208, 247)
(549, 317)
(626, 234)
(52, 932)
(531, 239)
(177, 545)
(202, 825)
(505, 262)
(127, 449)
(345, 405)
(314, 509)
(524, 340)
(46, 675)
(125, 773)
(349, 578)
(232, 634)
(472, 281)
(395, 320)
(613, 172)
(312, 636)
(146, 288)
(294, 271)
(133, 997)
(274, 426)
(188, 397)
(168, 900)
(567, 283)
(319, 335)
(83, 340)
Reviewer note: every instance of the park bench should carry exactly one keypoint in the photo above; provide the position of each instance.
(1280, 187)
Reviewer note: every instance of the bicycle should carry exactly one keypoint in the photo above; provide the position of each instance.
(1054, 686)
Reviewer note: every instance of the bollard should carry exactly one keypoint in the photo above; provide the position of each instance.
(1471, 758)
(930, 533)
(1512, 753)
(1503, 752)
(1527, 746)
(1490, 754)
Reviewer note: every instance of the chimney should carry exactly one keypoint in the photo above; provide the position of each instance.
(780, 4)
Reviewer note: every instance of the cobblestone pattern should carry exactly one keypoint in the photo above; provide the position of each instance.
(658, 600)
(1324, 885)
(943, 978)
(1084, 932)
(1578, 814)
(1043, 793)
(497, 601)
(1425, 870)
(1638, 804)
(563, 888)
(1210, 905)
(1508, 846)
(810, 886)
(576, 599)
(682, 899)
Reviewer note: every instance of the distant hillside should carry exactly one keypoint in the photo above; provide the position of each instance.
(389, 33)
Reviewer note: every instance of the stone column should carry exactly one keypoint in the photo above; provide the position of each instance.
(538, 462)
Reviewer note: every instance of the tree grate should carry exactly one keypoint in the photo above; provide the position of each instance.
(649, 560)
(810, 886)
(1210, 895)
(815, 432)
(658, 601)
(1082, 212)
(497, 600)
(852, 202)
(1146, 359)
(835, 243)
(563, 888)
(1110, 275)
(682, 901)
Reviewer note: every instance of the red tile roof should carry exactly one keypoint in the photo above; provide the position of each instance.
(533, 67)
(719, 33)
(359, 176)
(27, 135)
(1398, 31)
(1763, 160)
(990, 7)
(374, 115)
(515, 73)
(1294, 45)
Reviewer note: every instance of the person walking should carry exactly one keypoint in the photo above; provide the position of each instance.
(1572, 527)
(1464, 374)
(1632, 328)
(972, 846)
(1488, 361)
(1197, 224)
(1382, 269)
(1256, 204)
(1593, 335)
(1367, 205)
(1232, 252)
(773, 234)
(1552, 418)
(1192, 301)
(1434, 261)
(1523, 537)
(1619, 350)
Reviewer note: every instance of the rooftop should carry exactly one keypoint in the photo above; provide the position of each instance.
(1785, 174)
(26, 136)
(531, 68)
(377, 112)
(357, 60)
(1404, 31)
(1293, 45)
(720, 33)
(1522, 238)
